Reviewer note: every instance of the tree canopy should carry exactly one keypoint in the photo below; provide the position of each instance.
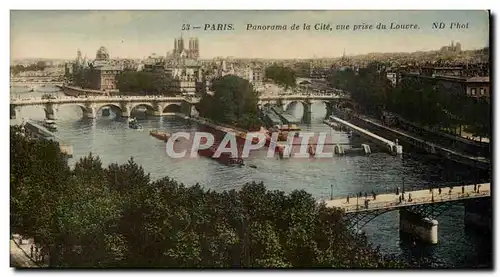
(283, 76)
(234, 102)
(116, 216)
(143, 83)
(39, 66)
(421, 103)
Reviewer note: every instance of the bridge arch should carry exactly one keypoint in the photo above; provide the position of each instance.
(113, 106)
(63, 108)
(431, 210)
(149, 107)
(172, 108)
(31, 111)
(288, 105)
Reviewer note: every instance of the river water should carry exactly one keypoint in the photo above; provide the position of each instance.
(110, 138)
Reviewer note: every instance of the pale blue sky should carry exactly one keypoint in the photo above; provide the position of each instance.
(135, 34)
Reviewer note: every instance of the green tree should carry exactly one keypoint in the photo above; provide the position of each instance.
(234, 102)
(143, 83)
(92, 216)
(283, 76)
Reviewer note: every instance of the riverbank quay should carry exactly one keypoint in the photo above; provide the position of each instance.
(471, 147)
(413, 140)
(36, 131)
(21, 255)
(77, 91)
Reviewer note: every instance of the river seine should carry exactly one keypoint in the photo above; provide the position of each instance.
(110, 138)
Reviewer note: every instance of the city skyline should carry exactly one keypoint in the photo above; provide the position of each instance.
(136, 34)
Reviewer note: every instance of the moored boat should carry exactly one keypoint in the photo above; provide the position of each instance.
(160, 135)
(132, 123)
(224, 158)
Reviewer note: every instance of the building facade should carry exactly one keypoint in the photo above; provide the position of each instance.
(103, 73)
(449, 85)
(191, 52)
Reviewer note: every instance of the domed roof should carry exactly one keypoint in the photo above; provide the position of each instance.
(102, 54)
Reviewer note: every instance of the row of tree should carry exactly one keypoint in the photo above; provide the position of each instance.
(422, 103)
(281, 75)
(39, 66)
(234, 102)
(92, 216)
(143, 83)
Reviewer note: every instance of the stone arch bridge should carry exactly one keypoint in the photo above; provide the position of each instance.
(160, 105)
(285, 102)
(155, 105)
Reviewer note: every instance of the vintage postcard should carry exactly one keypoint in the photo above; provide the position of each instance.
(250, 139)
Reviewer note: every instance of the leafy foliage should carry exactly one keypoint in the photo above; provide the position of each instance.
(143, 83)
(234, 102)
(39, 66)
(283, 76)
(421, 103)
(93, 216)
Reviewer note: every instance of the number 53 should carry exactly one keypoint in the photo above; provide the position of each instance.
(185, 27)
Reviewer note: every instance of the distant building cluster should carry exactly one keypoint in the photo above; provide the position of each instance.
(451, 68)
(452, 48)
(99, 74)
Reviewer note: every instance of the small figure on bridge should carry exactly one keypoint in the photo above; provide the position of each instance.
(439, 191)
(478, 187)
(409, 198)
(347, 199)
(31, 251)
(475, 188)
(366, 203)
(374, 195)
(366, 195)
(450, 190)
(430, 189)
(397, 191)
(463, 189)
(432, 197)
(400, 199)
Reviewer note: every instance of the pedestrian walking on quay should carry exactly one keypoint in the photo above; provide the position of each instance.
(463, 189)
(348, 199)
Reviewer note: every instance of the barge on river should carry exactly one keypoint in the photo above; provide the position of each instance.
(160, 135)
(224, 158)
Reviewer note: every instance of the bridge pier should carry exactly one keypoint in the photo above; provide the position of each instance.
(306, 118)
(425, 229)
(125, 113)
(90, 113)
(187, 108)
(329, 109)
(50, 111)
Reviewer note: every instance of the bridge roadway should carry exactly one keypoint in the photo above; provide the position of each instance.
(303, 97)
(390, 201)
(96, 99)
(62, 100)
